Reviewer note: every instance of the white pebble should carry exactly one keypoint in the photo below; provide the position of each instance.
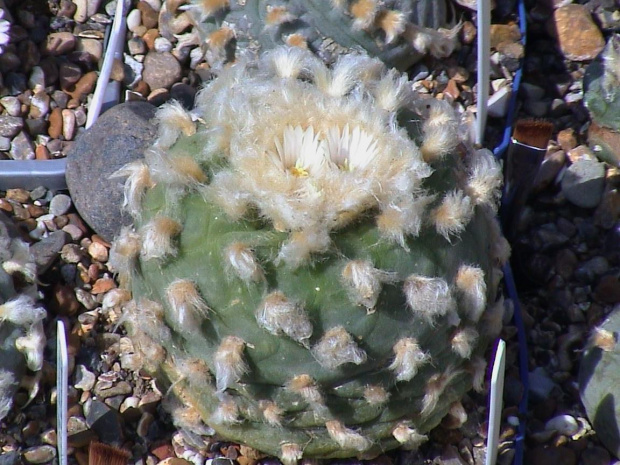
(563, 424)
(162, 45)
(134, 19)
(68, 124)
(60, 204)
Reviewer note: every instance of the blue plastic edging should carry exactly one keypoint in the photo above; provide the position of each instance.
(508, 276)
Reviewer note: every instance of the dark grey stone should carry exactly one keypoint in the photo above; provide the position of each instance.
(106, 422)
(47, 249)
(118, 137)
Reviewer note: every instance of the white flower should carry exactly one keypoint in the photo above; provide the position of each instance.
(350, 150)
(300, 152)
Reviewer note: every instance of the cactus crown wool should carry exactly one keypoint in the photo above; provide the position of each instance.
(315, 258)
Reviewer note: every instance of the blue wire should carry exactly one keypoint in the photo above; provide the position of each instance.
(509, 282)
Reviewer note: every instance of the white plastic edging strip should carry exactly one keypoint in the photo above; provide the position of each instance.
(62, 386)
(484, 57)
(114, 51)
(495, 402)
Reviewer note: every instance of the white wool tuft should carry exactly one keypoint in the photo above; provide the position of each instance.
(173, 121)
(463, 341)
(347, 438)
(21, 311)
(301, 244)
(376, 395)
(227, 412)
(137, 182)
(478, 369)
(291, 453)
(408, 437)
(427, 297)
(453, 215)
(157, 238)
(240, 259)
(21, 261)
(279, 315)
(392, 91)
(336, 348)
(365, 282)
(408, 358)
(186, 303)
(484, 179)
(271, 412)
(470, 283)
(435, 387)
(229, 362)
(306, 387)
(32, 345)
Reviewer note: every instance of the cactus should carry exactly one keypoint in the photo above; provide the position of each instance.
(602, 99)
(314, 261)
(21, 321)
(398, 32)
(598, 382)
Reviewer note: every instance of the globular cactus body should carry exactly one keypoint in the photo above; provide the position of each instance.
(307, 279)
(21, 321)
(399, 32)
(598, 381)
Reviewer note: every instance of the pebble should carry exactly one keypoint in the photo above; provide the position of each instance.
(22, 147)
(104, 421)
(81, 10)
(563, 424)
(583, 183)
(136, 46)
(98, 252)
(47, 250)
(68, 74)
(162, 45)
(161, 70)
(133, 75)
(93, 47)
(60, 204)
(579, 38)
(133, 20)
(10, 125)
(40, 454)
(5, 144)
(37, 77)
(84, 86)
(84, 379)
(149, 16)
(60, 43)
(39, 104)
(68, 124)
(122, 134)
(12, 105)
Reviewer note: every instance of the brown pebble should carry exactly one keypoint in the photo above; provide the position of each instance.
(36, 211)
(42, 153)
(142, 88)
(83, 87)
(103, 285)
(163, 450)
(6, 206)
(55, 120)
(567, 139)
(98, 252)
(452, 90)
(118, 71)
(174, 461)
(579, 38)
(149, 38)
(504, 33)
(18, 195)
(468, 32)
(149, 15)
(63, 301)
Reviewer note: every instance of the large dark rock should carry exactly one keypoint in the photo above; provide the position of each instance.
(118, 137)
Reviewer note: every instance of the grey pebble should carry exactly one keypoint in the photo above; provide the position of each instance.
(60, 204)
(47, 249)
(583, 183)
(541, 384)
(40, 454)
(122, 134)
(10, 125)
(22, 147)
(84, 379)
(9, 458)
(104, 421)
(37, 77)
(136, 46)
(161, 70)
(12, 105)
(5, 144)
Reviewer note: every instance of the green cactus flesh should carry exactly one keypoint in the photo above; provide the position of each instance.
(599, 378)
(322, 331)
